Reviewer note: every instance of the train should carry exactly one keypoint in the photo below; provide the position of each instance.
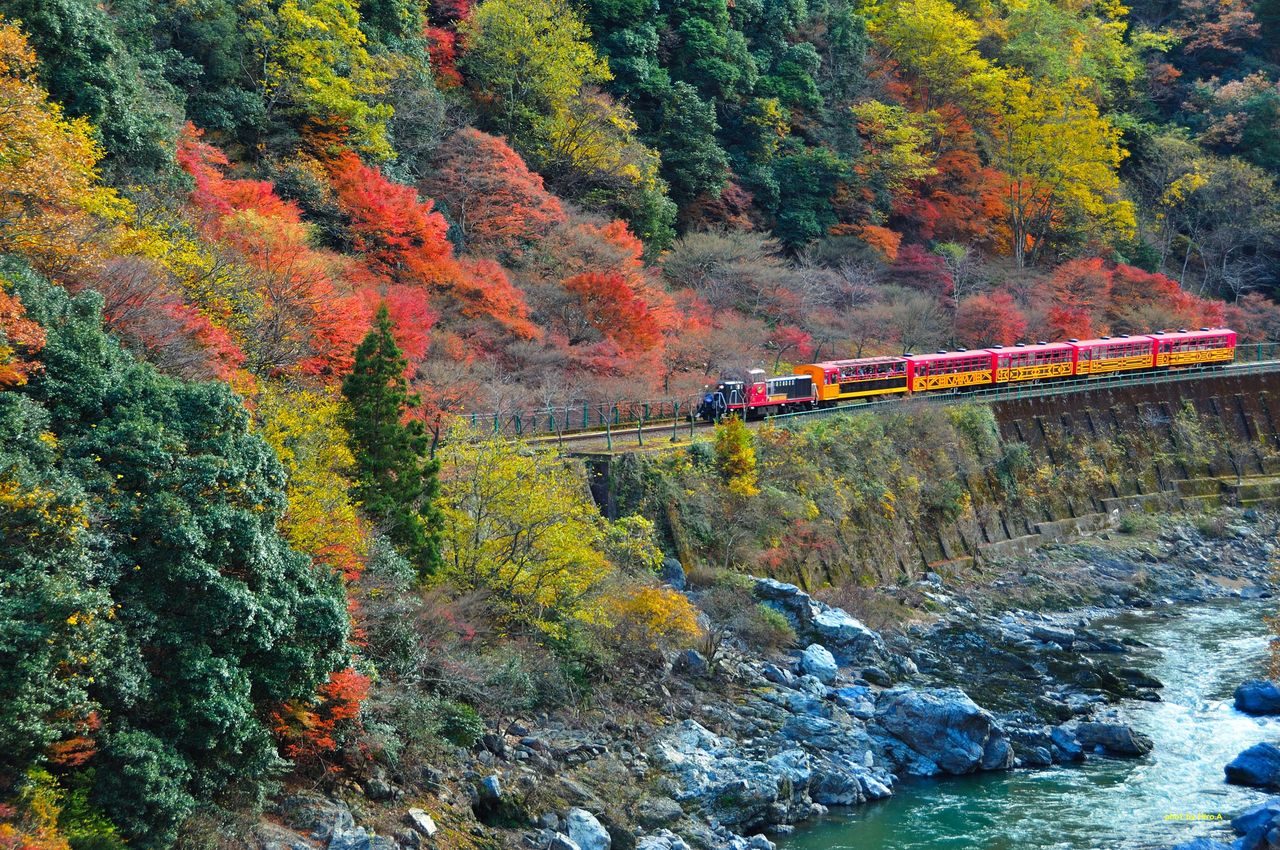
(832, 382)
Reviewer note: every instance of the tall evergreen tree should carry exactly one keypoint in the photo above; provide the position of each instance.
(397, 484)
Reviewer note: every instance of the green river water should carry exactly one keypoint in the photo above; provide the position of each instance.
(1176, 793)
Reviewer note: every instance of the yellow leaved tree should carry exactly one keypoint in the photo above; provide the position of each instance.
(53, 210)
(1061, 158)
(304, 427)
(316, 62)
(736, 457)
(520, 526)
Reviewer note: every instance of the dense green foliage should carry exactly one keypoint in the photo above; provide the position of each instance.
(147, 590)
(396, 483)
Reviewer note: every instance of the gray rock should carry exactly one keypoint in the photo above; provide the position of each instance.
(873, 788)
(1256, 824)
(355, 838)
(692, 663)
(269, 836)
(759, 842)
(1258, 766)
(1113, 739)
(816, 732)
(812, 685)
(377, 788)
(316, 815)
(901, 667)
(843, 635)
(818, 662)
(774, 673)
(946, 728)
(663, 839)
(1063, 637)
(709, 772)
(495, 744)
(490, 790)
(560, 841)
(673, 573)
(586, 831)
(653, 812)
(1258, 697)
(857, 700)
(422, 822)
(876, 676)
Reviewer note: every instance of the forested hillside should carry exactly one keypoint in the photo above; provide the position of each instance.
(257, 253)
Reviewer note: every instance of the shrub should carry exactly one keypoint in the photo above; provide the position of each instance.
(458, 723)
(651, 618)
(1136, 523)
(629, 545)
(768, 628)
(1211, 527)
(736, 457)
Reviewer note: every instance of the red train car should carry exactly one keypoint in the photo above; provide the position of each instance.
(1114, 354)
(950, 370)
(1037, 362)
(1194, 348)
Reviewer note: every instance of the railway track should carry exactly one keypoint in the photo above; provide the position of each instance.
(665, 433)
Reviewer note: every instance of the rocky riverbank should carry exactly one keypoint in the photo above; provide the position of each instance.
(998, 669)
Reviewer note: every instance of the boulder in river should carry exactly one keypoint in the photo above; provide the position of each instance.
(1258, 697)
(1066, 747)
(1113, 739)
(1256, 823)
(945, 727)
(1258, 766)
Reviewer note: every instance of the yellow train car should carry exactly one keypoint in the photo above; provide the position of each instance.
(1114, 354)
(1195, 348)
(842, 380)
(1034, 362)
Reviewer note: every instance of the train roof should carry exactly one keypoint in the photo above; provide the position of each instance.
(859, 361)
(1039, 346)
(1112, 340)
(949, 355)
(1196, 334)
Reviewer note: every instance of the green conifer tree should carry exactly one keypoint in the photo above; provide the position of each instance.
(397, 484)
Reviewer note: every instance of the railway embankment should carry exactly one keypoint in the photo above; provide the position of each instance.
(899, 491)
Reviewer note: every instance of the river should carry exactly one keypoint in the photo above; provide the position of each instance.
(1201, 653)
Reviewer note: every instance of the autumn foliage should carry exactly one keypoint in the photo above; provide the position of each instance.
(497, 203)
(1091, 298)
(312, 732)
(20, 340)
